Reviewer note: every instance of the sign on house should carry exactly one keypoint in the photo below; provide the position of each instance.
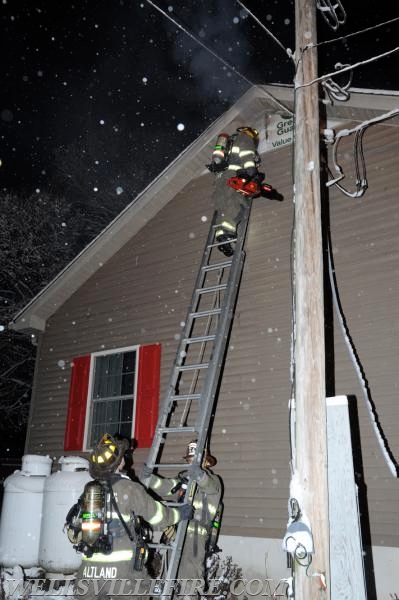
(279, 131)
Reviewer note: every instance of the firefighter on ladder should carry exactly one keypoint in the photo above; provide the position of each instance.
(203, 529)
(112, 524)
(235, 161)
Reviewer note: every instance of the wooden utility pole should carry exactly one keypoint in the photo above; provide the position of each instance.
(310, 483)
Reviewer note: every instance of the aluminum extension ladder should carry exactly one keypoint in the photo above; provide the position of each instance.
(188, 407)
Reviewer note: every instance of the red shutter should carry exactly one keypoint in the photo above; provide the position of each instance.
(147, 400)
(76, 414)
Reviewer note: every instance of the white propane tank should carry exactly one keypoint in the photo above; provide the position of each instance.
(21, 514)
(61, 491)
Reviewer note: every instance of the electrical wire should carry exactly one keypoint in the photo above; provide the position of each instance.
(219, 58)
(331, 15)
(345, 37)
(286, 50)
(393, 465)
(336, 91)
(347, 68)
(360, 166)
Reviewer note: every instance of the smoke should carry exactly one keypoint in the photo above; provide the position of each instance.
(223, 29)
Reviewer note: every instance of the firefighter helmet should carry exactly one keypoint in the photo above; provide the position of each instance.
(209, 460)
(106, 457)
(253, 133)
(191, 449)
(128, 455)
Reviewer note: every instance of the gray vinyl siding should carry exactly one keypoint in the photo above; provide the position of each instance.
(141, 296)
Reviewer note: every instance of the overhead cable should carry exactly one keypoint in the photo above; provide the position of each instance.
(333, 12)
(346, 68)
(360, 167)
(348, 35)
(381, 438)
(219, 58)
(255, 18)
(336, 91)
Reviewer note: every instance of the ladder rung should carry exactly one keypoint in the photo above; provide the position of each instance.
(170, 465)
(184, 397)
(212, 288)
(199, 338)
(216, 266)
(177, 429)
(161, 546)
(216, 244)
(223, 284)
(193, 367)
(206, 313)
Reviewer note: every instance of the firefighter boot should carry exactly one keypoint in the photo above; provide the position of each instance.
(223, 238)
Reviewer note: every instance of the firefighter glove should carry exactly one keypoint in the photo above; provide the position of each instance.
(186, 512)
(146, 472)
(249, 173)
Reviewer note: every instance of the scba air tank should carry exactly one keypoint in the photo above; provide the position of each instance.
(220, 150)
(21, 514)
(61, 491)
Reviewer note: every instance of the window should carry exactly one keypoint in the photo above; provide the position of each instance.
(112, 395)
(113, 391)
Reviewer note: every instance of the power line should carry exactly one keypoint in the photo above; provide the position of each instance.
(347, 68)
(219, 58)
(286, 50)
(344, 37)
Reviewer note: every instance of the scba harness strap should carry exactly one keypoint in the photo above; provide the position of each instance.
(89, 523)
(206, 526)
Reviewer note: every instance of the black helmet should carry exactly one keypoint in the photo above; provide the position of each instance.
(106, 457)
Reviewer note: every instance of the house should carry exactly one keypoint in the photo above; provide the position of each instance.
(119, 305)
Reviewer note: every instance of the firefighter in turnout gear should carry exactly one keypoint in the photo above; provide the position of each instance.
(235, 162)
(200, 541)
(112, 524)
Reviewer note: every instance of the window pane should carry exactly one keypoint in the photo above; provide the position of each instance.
(127, 384)
(127, 410)
(99, 412)
(113, 395)
(97, 433)
(129, 362)
(126, 430)
(108, 376)
(113, 410)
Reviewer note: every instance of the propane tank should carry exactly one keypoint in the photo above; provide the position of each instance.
(21, 514)
(61, 491)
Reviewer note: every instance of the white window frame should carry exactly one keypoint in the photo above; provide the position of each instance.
(89, 403)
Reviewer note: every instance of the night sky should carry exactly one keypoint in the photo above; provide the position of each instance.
(118, 76)
(123, 85)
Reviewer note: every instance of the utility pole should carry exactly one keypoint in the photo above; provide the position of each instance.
(310, 482)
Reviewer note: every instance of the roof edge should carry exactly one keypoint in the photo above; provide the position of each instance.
(171, 180)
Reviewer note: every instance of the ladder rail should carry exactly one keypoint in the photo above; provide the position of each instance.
(185, 333)
(212, 379)
(206, 398)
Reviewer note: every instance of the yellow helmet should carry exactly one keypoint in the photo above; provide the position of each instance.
(253, 133)
(107, 456)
